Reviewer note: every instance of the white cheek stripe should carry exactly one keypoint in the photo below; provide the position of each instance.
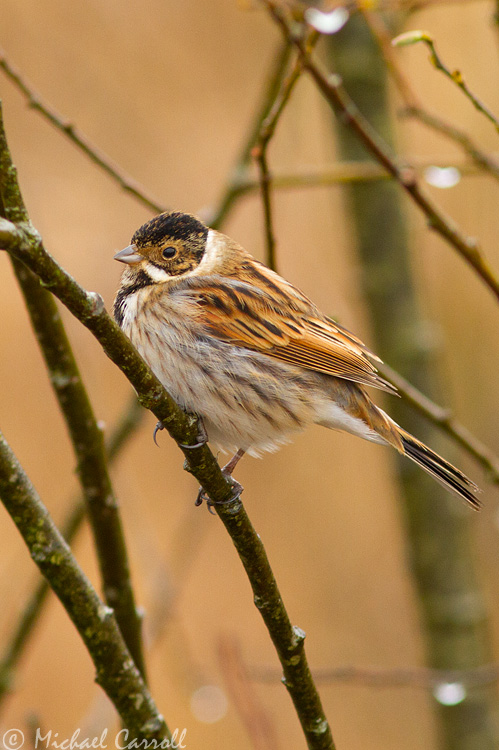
(156, 274)
(210, 255)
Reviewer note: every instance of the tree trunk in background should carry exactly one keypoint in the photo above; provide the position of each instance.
(438, 526)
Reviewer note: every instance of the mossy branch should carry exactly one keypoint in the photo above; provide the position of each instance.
(15, 645)
(116, 672)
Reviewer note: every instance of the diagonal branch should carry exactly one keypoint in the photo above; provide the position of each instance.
(483, 160)
(78, 138)
(116, 672)
(263, 139)
(17, 642)
(332, 89)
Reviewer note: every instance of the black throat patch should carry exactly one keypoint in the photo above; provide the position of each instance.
(140, 280)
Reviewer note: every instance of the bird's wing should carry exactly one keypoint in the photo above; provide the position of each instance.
(261, 311)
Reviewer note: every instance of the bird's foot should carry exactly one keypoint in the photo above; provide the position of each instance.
(236, 487)
(236, 492)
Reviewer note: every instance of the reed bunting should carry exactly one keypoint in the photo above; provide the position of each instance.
(246, 351)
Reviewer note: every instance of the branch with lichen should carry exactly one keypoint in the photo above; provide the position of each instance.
(16, 644)
(331, 87)
(85, 433)
(23, 242)
(116, 672)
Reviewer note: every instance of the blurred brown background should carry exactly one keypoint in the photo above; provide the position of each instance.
(168, 90)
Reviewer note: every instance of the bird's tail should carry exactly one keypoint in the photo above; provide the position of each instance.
(450, 477)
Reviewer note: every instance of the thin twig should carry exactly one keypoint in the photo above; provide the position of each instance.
(116, 672)
(79, 139)
(483, 160)
(332, 89)
(345, 172)
(381, 34)
(17, 642)
(24, 243)
(412, 37)
(241, 690)
(412, 104)
(259, 151)
(445, 420)
(215, 216)
(385, 677)
(86, 436)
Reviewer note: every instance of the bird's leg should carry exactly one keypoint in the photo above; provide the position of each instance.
(227, 472)
(231, 465)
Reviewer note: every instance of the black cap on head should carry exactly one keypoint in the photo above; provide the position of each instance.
(175, 225)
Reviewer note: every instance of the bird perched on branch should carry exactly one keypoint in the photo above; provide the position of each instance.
(246, 351)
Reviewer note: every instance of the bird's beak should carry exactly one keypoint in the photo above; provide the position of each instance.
(129, 255)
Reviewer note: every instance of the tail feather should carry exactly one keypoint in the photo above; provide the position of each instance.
(450, 477)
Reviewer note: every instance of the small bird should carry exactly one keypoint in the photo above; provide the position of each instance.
(246, 351)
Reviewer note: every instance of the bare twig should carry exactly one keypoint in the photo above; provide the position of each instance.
(413, 106)
(233, 190)
(483, 160)
(79, 139)
(86, 435)
(264, 137)
(445, 420)
(20, 637)
(345, 172)
(412, 37)
(380, 32)
(116, 672)
(332, 89)
(385, 677)
(252, 712)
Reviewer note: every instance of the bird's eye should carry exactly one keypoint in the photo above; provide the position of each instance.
(169, 252)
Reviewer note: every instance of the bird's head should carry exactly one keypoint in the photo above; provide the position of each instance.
(170, 245)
